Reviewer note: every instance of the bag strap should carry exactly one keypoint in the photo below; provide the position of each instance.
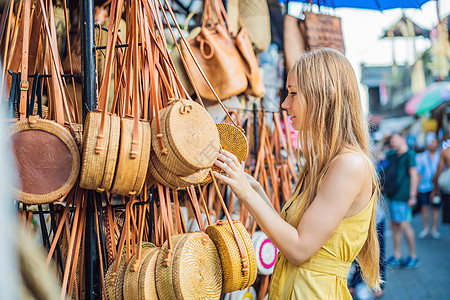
(194, 203)
(24, 71)
(165, 225)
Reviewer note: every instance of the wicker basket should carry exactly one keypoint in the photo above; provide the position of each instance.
(147, 276)
(98, 168)
(131, 170)
(47, 158)
(235, 277)
(189, 135)
(233, 140)
(192, 272)
(162, 175)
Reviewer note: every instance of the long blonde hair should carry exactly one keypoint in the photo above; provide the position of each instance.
(332, 120)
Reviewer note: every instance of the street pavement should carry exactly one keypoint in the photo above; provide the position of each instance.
(431, 280)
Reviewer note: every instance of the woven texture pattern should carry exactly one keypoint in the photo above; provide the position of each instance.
(131, 281)
(97, 170)
(190, 137)
(233, 276)
(194, 270)
(254, 15)
(147, 276)
(53, 129)
(233, 140)
(129, 170)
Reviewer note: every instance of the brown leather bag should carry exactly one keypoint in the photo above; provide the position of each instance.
(314, 32)
(323, 31)
(217, 55)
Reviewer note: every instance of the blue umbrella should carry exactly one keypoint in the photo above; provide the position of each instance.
(368, 4)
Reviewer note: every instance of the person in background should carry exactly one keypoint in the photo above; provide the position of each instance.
(427, 163)
(402, 201)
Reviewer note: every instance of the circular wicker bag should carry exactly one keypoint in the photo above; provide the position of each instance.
(189, 136)
(112, 282)
(233, 140)
(131, 281)
(47, 159)
(266, 253)
(162, 175)
(147, 276)
(97, 169)
(192, 271)
(131, 170)
(234, 277)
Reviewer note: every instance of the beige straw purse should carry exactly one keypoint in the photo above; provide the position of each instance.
(102, 130)
(46, 154)
(189, 136)
(188, 266)
(236, 251)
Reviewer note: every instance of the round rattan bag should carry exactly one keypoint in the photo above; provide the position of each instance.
(233, 140)
(235, 276)
(190, 138)
(192, 271)
(47, 158)
(266, 253)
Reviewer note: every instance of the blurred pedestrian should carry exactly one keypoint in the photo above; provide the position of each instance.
(402, 196)
(441, 179)
(427, 163)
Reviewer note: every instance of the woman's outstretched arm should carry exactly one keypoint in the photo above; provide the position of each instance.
(340, 187)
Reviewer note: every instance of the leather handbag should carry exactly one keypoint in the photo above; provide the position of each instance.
(50, 173)
(216, 52)
(323, 31)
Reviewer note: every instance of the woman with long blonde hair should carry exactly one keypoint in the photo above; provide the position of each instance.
(330, 219)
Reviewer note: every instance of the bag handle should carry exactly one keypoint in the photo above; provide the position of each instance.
(193, 57)
(244, 258)
(24, 83)
(116, 9)
(165, 225)
(194, 203)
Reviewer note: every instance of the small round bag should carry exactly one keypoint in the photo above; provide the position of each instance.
(266, 253)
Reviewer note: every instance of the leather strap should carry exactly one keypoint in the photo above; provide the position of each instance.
(194, 202)
(164, 217)
(204, 204)
(181, 227)
(24, 72)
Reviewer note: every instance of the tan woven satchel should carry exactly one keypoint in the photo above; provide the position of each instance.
(235, 248)
(188, 266)
(46, 153)
(102, 130)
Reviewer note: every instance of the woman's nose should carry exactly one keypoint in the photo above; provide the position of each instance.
(285, 104)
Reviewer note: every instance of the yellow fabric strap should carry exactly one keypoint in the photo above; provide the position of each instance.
(328, 265)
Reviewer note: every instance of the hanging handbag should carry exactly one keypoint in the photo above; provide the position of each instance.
(216, 53)
(254, 16)
(235, 248)
(188, 265)
(323, 31)
(50, 173)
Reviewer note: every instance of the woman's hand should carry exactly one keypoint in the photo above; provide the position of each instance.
(235, 176)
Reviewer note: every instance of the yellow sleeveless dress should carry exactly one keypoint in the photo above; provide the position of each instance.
(323, 276)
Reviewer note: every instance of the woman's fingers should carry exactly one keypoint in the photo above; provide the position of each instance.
(221, 177)
(223, 166)
(230, 156)
(229, 162)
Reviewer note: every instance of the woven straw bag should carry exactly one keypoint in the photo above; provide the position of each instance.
(266, 253)
(132, 165)
(254, 16)
(189, 135)
(236, 251)
(46, 154)
(233, 140)
(102, 130)
(162, 175)
(188, 265)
